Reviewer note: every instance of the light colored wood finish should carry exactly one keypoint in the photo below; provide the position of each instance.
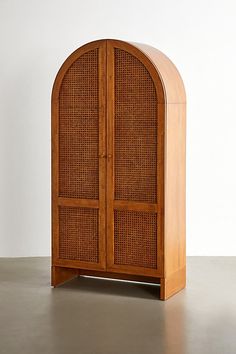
(172, 82)
(129, 205)
(136, 206)
(83, 203)
(170, 208)
(71, 263)
(124, 276)
(102, 153)
(61, 275)
(56, 200)
(110, 152)
(175, 252)
(173, 284)
(174, 213)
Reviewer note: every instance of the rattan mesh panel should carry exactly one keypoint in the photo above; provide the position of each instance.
(135, 238)
(79, 129)
(135, 130)
(78, 234)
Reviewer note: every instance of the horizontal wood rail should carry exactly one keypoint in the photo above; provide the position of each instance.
(74, 202)
(130, 205)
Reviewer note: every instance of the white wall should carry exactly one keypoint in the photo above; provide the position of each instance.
(37, 36)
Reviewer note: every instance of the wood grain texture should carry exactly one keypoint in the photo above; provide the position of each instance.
(136, 62)
(110, 160)
(173, 284)
(168, 204)
(130, 205)
(171, 80)
(57, 200)
(130, 277)
(174, 213)
(61, 275)
(87, 203)
(175, 151)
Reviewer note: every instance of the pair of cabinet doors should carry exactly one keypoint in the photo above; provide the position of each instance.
(107, 161)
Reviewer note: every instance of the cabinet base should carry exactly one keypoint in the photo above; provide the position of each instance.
(173, 284)
(168, 286)
(60, 275)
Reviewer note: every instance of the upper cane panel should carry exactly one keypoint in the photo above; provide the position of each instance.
(69, 62)
(166, 77)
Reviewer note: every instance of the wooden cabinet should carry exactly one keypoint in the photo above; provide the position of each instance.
(118, 166)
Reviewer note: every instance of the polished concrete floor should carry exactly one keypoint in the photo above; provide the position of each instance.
(95, 316)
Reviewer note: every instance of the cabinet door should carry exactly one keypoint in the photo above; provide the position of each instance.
(135, 164)
(78, 164)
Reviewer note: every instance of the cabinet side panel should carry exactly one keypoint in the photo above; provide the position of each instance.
(175, 161)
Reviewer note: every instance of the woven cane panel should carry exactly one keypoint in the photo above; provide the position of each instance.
(79, 129)
(78, 234)
(135, 238)
(135, 130)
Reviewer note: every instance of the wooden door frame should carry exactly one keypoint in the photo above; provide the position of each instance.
(128, 205)
(75, 202)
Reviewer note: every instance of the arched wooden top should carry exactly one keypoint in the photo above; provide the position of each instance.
(164, 73)
(171, 80)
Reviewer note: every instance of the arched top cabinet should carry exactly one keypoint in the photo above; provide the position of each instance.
(118, 166)
(162, 70)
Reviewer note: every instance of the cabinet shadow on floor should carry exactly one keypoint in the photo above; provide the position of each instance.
(112, 287)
